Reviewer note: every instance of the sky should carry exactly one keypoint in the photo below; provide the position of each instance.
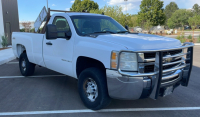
(30, 9)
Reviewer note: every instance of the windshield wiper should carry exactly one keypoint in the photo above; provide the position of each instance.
(106, 32)
(123, 32)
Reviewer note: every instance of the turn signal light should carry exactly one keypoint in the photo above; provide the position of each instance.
(114, 59)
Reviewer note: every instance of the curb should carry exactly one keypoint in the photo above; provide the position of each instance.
(7, 60)
(6, 56)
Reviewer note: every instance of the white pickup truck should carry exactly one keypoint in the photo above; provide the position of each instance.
(108, 60)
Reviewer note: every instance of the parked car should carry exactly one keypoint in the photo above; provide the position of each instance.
(198, 27)
(138, 29)
(187, 28)
(108, 61)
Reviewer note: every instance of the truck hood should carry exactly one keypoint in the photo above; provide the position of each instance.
(140, 41)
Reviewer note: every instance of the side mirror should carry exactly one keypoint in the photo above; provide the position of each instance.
(127, 28)
(68, 35)
(51, 31)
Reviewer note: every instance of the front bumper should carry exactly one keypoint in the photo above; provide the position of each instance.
(136, 85)
(132, 88)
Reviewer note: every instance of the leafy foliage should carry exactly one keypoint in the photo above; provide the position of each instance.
(194, 21)
(116, 13)
(198, 39)
(151, 10)
(85, 5)
(4, 42)
(179, 18)
(196, 10)
(170, 9)
(32, 30)
(147, 25)
(189, 37)
(181, 37)
(22, 30)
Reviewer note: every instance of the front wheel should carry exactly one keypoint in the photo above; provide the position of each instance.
(92, 88)
(26, 68)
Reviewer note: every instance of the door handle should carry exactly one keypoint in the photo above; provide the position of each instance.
(49, 43)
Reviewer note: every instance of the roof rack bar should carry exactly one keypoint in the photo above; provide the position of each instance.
(49, 16)
(60, 11)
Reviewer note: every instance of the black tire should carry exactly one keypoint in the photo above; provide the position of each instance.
(27, 69)
(103, 99)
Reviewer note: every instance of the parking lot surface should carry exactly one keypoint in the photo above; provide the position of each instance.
(51, 94)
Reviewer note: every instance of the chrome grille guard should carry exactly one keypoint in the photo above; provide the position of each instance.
(158, 70)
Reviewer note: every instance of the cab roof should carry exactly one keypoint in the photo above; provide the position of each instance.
(78, 13)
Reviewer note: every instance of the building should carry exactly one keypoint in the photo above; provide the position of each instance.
(9, 18)
(31, 25)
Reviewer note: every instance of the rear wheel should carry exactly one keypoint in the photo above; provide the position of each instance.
(92, 88)
(26, 68)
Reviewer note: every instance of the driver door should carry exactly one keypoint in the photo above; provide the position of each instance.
(58, 52)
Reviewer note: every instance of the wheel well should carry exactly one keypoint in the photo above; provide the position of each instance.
(20, 49)
(86, 62)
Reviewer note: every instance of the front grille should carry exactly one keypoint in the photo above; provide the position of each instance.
(150, 68)
(153, 55)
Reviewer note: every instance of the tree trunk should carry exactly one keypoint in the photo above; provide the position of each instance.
(193, 35)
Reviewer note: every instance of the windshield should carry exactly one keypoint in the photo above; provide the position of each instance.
(96, 24)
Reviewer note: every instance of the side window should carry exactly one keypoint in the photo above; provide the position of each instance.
(62, 25)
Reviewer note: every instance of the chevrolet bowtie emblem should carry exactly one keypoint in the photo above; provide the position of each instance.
(168, 59)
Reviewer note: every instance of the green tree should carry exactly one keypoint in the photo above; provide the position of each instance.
(193, 22)
(170, 9)
(22, 30)
(115, 12)
(171, 23)
(147, 25)
(85, 5)
(179, 18)
(153, 11)
(196, 9)
(133, 20)
(76, 6)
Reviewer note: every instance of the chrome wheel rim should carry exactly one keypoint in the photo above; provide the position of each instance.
(91, 89)
(23, 64)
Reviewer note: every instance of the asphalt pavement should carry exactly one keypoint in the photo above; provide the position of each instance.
(51, 94)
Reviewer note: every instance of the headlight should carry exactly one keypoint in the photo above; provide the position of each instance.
(128, 61)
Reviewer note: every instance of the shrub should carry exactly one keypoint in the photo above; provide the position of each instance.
(178, 37)
(4, 42)
(191, 40)
(198, 39)
(181, 38)
(189, 37)
(22, 30)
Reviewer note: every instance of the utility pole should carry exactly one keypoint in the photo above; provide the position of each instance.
(47, 4)
(126, 6)
(126, 10)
